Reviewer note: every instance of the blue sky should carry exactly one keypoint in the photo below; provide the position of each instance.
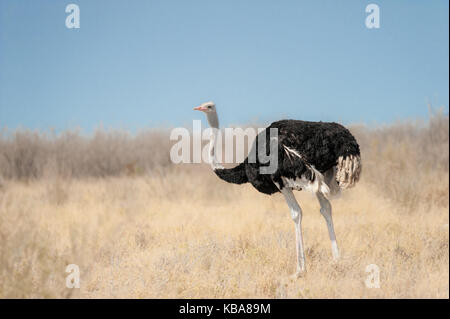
(138, 64)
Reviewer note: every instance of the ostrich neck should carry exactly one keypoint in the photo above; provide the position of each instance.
(213, 121)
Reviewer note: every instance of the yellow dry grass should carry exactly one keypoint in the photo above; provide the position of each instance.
(186, 234)
(179, 232)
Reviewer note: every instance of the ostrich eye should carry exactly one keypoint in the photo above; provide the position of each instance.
(209, 106)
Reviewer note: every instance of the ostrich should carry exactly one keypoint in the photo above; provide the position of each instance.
(317, 156)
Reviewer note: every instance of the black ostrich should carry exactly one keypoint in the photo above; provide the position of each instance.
(317, 156)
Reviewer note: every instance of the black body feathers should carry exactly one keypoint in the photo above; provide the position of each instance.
(235, 175)
(318, 144)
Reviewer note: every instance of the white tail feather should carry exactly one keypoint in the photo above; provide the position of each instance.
(348, 171)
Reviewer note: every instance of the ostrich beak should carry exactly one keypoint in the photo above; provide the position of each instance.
(199, 108)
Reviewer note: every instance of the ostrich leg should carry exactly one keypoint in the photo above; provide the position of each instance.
(325, 210)
(296, 214)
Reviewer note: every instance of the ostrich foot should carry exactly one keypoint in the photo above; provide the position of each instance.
(297, 274)
(336, 258)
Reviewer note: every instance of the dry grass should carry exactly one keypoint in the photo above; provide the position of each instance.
(179, 232)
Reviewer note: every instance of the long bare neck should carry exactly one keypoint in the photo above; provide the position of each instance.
(235, 175)
(213, 121)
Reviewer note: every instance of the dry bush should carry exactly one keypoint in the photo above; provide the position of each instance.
(23, 154)
(408, 162)
(29, 155)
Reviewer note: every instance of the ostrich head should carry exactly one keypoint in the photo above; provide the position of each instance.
(209, 108)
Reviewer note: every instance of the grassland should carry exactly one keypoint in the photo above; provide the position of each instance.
(139, 227)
